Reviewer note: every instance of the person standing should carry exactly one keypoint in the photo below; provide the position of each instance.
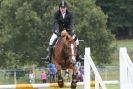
(52, 71)
(31, 77)
(43, 76)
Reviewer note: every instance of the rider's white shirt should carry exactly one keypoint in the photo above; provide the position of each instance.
(63, 15)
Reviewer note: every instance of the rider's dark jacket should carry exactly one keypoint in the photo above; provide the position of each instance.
(60, 24)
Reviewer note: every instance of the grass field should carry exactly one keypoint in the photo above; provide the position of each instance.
(128, 43)
(124, 43)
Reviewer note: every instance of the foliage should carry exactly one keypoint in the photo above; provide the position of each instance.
(91, 27)
(25, 29)
(120, 14)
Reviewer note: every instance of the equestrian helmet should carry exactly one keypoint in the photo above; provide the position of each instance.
(63, 4)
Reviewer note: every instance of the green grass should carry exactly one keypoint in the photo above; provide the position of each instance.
(128, 43)
(124, 43)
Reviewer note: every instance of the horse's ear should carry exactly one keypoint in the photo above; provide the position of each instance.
(75, 38)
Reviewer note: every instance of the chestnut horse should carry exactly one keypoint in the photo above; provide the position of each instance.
(65, 57)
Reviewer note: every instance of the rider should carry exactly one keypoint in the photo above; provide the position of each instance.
(63, 19)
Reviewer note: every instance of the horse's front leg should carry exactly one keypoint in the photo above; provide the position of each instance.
(60, 79)
(74, 78)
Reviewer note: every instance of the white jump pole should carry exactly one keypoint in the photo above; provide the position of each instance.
(126, 70)
(37, 86)
(123, 72)
(86, 69)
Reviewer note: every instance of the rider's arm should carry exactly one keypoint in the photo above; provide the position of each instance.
(71, 28)
(55, 28)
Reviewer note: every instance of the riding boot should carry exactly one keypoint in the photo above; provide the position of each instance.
(79, 57)
(49, 56)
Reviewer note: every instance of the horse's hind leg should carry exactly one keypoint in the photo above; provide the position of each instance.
(60, 79)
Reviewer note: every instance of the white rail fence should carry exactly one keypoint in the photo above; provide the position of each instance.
(88, 64)
(126, 70)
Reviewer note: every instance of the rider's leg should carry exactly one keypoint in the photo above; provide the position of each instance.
(78, 57)
(49, 56)
(50, 51)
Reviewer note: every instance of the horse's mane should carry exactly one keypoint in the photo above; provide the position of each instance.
(65, 35)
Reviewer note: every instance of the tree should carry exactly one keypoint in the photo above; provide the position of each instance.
(25, 28)
(91, 26)
(120, 14)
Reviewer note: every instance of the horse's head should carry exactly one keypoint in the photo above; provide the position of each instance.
(69, 46)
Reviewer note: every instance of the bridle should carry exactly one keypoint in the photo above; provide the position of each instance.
(71, 52)
(69, 47)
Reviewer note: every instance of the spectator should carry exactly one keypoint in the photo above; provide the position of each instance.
(78, 65)
(80, 75)
(52, 71)
(43, 76)
(31, 77)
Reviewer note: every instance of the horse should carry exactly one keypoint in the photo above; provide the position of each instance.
(64, 57)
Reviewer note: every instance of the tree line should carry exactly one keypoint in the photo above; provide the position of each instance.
(120, 16)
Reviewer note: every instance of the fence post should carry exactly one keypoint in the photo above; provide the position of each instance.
(122, 68)
(126, 72)
(87, 69)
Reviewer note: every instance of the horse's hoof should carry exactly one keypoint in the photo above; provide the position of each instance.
(60, 83)
(74, 84)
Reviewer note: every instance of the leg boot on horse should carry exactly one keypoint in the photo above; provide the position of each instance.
(74, 81)
(49, 56)
(60, 79)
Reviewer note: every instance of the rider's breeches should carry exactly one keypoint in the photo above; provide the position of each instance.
(54, 37)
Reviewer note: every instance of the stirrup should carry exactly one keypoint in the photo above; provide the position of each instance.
(46, 59)
(80, 58)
